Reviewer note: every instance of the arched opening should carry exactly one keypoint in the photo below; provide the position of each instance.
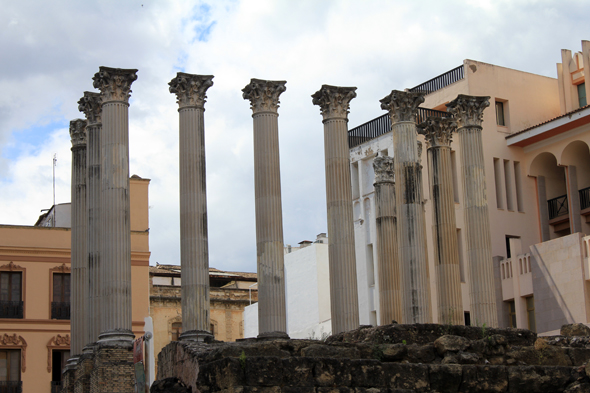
(577, 158)
(552, 196)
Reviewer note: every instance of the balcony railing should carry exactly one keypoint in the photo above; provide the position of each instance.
(55, 386)
(60, 310)
(441, 81)
(11, 309)
(584, 198)
(558, 207)
(382, 125)
(11, 387)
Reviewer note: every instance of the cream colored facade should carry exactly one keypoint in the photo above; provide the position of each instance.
(541, 132)
(39, 253)
(230, 293)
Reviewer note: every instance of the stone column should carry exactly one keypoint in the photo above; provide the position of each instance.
(468, 113)
(438, 135)
(190, 92)
(573, 199)
(334, 103)
(543, 208)
(91, 105)
(115, 249)
(79, 224)
(264, 100)
(411, 225)
(386, 228)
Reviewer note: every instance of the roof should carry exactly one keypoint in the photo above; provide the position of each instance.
(551, 127)
(175, 269)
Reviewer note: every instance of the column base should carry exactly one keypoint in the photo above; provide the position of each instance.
(116, 336)
(276, 335)
(83, 371)
(197, 335)
(72, 362)
(89, 349)
(112, 367)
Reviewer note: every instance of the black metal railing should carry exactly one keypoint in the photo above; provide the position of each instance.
(11, 387)
(441, 81)
(11, 309)
(60, 310)
(584, 198)
(55, 386)
(558, 206)
(382, 125)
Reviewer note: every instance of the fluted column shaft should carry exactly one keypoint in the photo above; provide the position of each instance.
(194, 245)
(91, 105)
(79, 262)
(334, 104)
(438, 134)
(115, 250)
(264, 98)
(468, 113)
(411, 224)
(386, 231)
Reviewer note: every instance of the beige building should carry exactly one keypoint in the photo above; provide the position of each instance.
(230, 292)
(35, 294)
(536, 134)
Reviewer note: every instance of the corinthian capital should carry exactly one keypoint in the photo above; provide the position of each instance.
(383, 166)
(437, 131)
(334, 101)
(91, 105)
(191, 89)
(78, 132)
(263, 94)
(114, 83)
(468, 110)
(402, 105)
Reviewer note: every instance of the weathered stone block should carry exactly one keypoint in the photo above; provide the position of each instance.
(394, 352)
(484, 379)
(575, 329)
(298, 372)
(329, 351)
(332, 372)
(298, 389)
(169, 385)
(335, 390)
(223, 374)
(578, 356)
(406, 376)
(264, 371)
(538, 379)
(371, 390)
(445, 378)
(450, 343)
(578, 387)
(367, 373)
(421, 353)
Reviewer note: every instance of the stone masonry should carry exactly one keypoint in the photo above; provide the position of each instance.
(389, 359)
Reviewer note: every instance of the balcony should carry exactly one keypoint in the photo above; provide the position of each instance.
(11, 309)
(441, 81)
(382, 125)
(56, 386)
(558, 207)
(60, 310)
(11, 387)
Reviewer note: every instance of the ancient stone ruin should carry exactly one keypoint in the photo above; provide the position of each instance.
(393, 358)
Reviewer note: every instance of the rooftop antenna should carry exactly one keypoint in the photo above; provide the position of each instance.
(54, 164)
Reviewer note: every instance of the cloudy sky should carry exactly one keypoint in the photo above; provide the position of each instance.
(49, 52)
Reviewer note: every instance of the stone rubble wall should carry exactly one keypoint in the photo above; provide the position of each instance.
(393, 359)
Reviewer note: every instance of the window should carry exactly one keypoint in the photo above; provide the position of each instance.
(499, 186)
(512, 314)
(530, 313)
(518, 186)
(176, 330)
(467, 318)
(500, 114)
(59, 358)
(508, 185)
(11, 305)
(60, 306)
(212, 327)
(9, 367)
(582, 94)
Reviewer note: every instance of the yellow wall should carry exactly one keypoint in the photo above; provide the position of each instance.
(37, 252)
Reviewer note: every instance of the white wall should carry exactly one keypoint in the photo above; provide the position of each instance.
(251, 321)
